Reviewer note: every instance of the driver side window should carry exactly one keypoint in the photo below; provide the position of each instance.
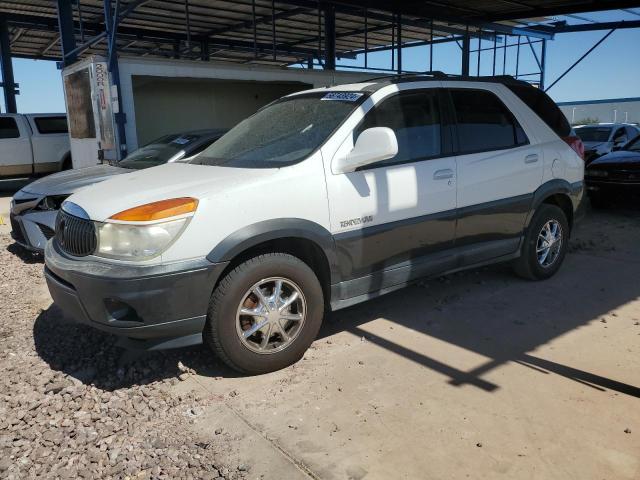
(414, 116)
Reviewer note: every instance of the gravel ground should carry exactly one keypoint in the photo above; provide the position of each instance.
(72, 406)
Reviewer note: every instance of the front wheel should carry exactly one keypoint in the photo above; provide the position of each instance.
(265, 313)
(545, 244)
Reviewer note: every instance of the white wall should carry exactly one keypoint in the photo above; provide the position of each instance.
(603, 112)
(162, 106)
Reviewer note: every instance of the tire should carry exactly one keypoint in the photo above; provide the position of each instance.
(598, 201)
(226, 324)
(528, 265)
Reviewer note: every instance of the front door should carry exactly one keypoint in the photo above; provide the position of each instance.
(386, 216)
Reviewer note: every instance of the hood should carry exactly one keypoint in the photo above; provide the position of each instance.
(621, 157)
(69, 181)
(171, 180)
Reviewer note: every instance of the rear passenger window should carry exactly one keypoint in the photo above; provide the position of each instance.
(415, 119)
(52, 124)
(8, 128)
(484, 123)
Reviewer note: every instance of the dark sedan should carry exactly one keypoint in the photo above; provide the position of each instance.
(614, 174)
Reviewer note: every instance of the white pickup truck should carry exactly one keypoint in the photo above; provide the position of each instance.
(34, 143)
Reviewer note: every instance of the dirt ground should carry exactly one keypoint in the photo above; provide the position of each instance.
(475, 375)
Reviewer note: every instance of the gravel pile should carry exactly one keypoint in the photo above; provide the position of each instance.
(72, 406)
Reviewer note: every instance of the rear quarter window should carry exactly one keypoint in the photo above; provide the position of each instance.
(8, 128)
(49, 125)
(544, 107)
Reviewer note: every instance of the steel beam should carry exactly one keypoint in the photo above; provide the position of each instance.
(466, 47)
(6, 68)
(330, 37)
(65, 27)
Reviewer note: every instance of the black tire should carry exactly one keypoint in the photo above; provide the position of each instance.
(220, 331)
(527, 265)
(598, 200)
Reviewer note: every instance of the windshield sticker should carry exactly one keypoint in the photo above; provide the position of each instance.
(342, 96)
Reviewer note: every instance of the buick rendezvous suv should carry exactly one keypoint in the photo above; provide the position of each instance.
(321, 200)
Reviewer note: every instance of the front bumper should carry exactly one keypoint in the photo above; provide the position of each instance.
(152, 307)
(612, 186)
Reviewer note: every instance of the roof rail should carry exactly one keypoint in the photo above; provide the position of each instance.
(438, 75)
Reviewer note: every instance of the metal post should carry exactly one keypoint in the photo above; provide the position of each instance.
(543, 63)
(479, 50)
(273, 27)
(399, 42)
(65, 26)
(518, 57)
(330, 37)
(466, 47)
(6, 68)
(431, 47)
(366, 40)
(204, 50)
(111, 23)
(504, 55)
(495, 45)
(255, 32)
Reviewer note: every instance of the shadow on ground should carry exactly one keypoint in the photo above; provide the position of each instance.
(516, 318)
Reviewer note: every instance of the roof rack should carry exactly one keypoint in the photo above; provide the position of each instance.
(438, 75)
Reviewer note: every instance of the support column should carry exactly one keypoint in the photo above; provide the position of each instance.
(6, 68)
(329, 37)
(543, 63)
(466, 58)
(399, 42)
(65, 27)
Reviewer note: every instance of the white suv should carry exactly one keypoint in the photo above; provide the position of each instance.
(322, 199)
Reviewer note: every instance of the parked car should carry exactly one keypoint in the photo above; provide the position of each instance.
(322, 199)
(602, 138)
(32, 144)
(614, 174)
(34, 208)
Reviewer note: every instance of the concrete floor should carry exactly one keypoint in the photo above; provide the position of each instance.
(476, 375)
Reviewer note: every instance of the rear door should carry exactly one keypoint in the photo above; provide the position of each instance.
(499, 168)
(15, 146)
(50, 142)
(388, 215)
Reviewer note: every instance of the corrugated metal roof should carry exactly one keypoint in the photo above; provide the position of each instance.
(283, 32)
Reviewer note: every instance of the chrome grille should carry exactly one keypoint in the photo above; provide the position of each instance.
(76, 236)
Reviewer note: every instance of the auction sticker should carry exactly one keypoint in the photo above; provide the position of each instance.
(343, 96)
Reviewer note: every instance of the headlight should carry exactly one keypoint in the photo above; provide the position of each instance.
(145, 231)
(597, 173)
(137, 242)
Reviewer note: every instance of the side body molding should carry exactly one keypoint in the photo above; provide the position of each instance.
(572, 190)
(274, 229)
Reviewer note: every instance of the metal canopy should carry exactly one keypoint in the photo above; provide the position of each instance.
(273, 32)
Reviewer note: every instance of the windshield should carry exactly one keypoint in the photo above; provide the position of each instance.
(594, 134)
(159, 151)
(282, 133)
(633, 145)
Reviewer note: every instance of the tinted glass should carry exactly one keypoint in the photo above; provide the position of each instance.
(8, 128)
(484, 123)
(544, 107)
(415, 119)
(594, 134)
(51, 124)
(633, 145)
(159, 151)
(620, 134)
(282, 133)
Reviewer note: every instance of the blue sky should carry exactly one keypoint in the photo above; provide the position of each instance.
(611, 71)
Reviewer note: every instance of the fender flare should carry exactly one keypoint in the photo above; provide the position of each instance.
(260, 232)
(553, 187)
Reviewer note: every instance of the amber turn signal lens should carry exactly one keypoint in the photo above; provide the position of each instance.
(158, 210)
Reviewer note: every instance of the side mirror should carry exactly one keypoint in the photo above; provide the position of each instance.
(373, 145)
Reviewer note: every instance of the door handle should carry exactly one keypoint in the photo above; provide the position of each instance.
(533, 158)
(443, 174)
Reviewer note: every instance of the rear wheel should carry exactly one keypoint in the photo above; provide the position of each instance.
(265, 313)
(545, 244)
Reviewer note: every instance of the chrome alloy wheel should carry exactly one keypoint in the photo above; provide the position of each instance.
(271, 315)
(549, 243)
